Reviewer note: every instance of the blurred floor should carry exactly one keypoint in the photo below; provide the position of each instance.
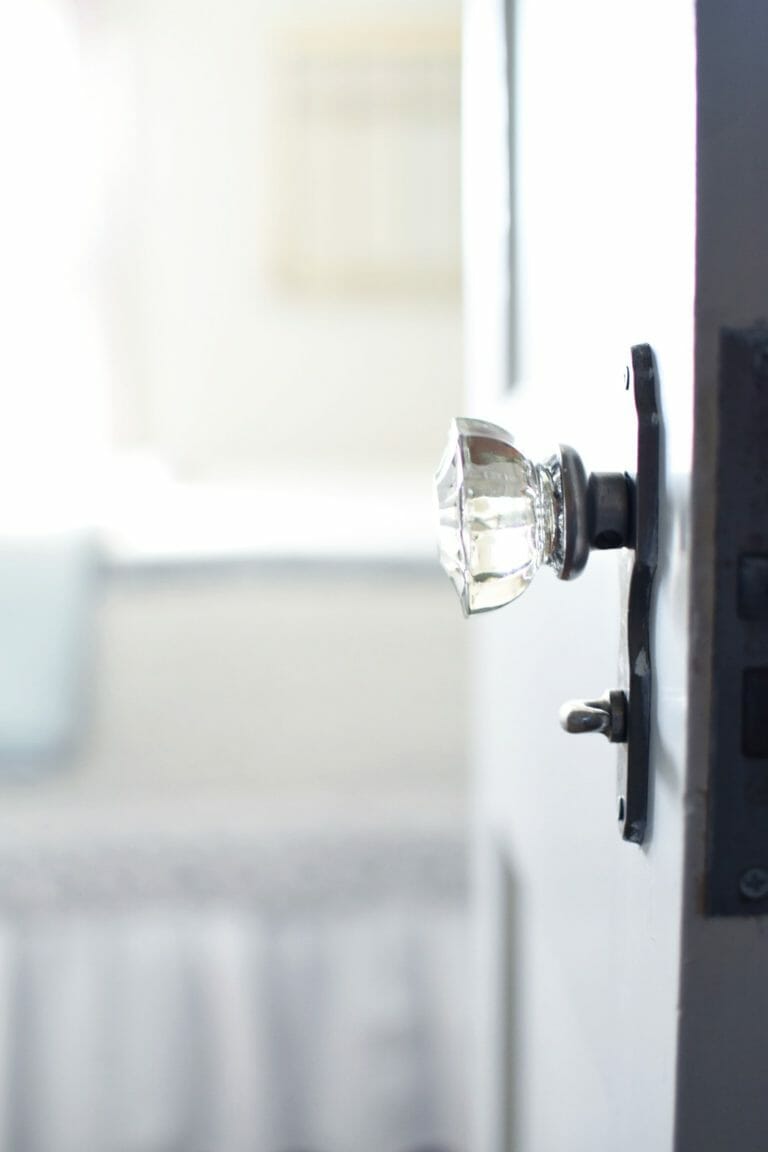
(238, 919)
(233, 1028)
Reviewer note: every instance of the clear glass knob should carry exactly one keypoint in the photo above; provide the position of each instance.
(501, 516)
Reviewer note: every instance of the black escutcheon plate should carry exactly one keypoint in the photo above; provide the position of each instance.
(634, 756)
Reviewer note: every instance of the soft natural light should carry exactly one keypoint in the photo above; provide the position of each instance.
(54, 391)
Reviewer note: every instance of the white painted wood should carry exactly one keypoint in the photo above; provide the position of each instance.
(578, 932)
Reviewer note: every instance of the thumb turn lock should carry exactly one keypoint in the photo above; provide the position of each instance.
(607, 715)
(502, 517)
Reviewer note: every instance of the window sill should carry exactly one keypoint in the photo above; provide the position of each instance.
(159, 521)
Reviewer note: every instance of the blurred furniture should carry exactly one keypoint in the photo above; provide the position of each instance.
(290, 993)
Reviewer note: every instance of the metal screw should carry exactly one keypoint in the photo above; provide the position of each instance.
(753, 884)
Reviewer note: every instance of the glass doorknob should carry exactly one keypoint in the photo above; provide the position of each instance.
(502, 516)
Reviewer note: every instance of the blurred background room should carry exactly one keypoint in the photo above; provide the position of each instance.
(233, 787)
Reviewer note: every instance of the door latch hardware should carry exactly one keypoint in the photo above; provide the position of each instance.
(728, 711)
(607, 715)
(502, 517)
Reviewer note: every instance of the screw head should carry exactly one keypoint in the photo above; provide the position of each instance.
(753, 884)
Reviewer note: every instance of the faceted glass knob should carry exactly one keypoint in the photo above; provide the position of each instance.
(500, 515)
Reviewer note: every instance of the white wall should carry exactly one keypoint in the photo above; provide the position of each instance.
(327, 694)
(215, 364)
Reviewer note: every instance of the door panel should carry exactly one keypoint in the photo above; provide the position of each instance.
(578, 931)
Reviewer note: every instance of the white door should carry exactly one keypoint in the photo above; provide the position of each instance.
(614, 1014)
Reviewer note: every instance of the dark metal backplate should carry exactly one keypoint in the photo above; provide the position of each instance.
(737, 807)
(634, 756)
